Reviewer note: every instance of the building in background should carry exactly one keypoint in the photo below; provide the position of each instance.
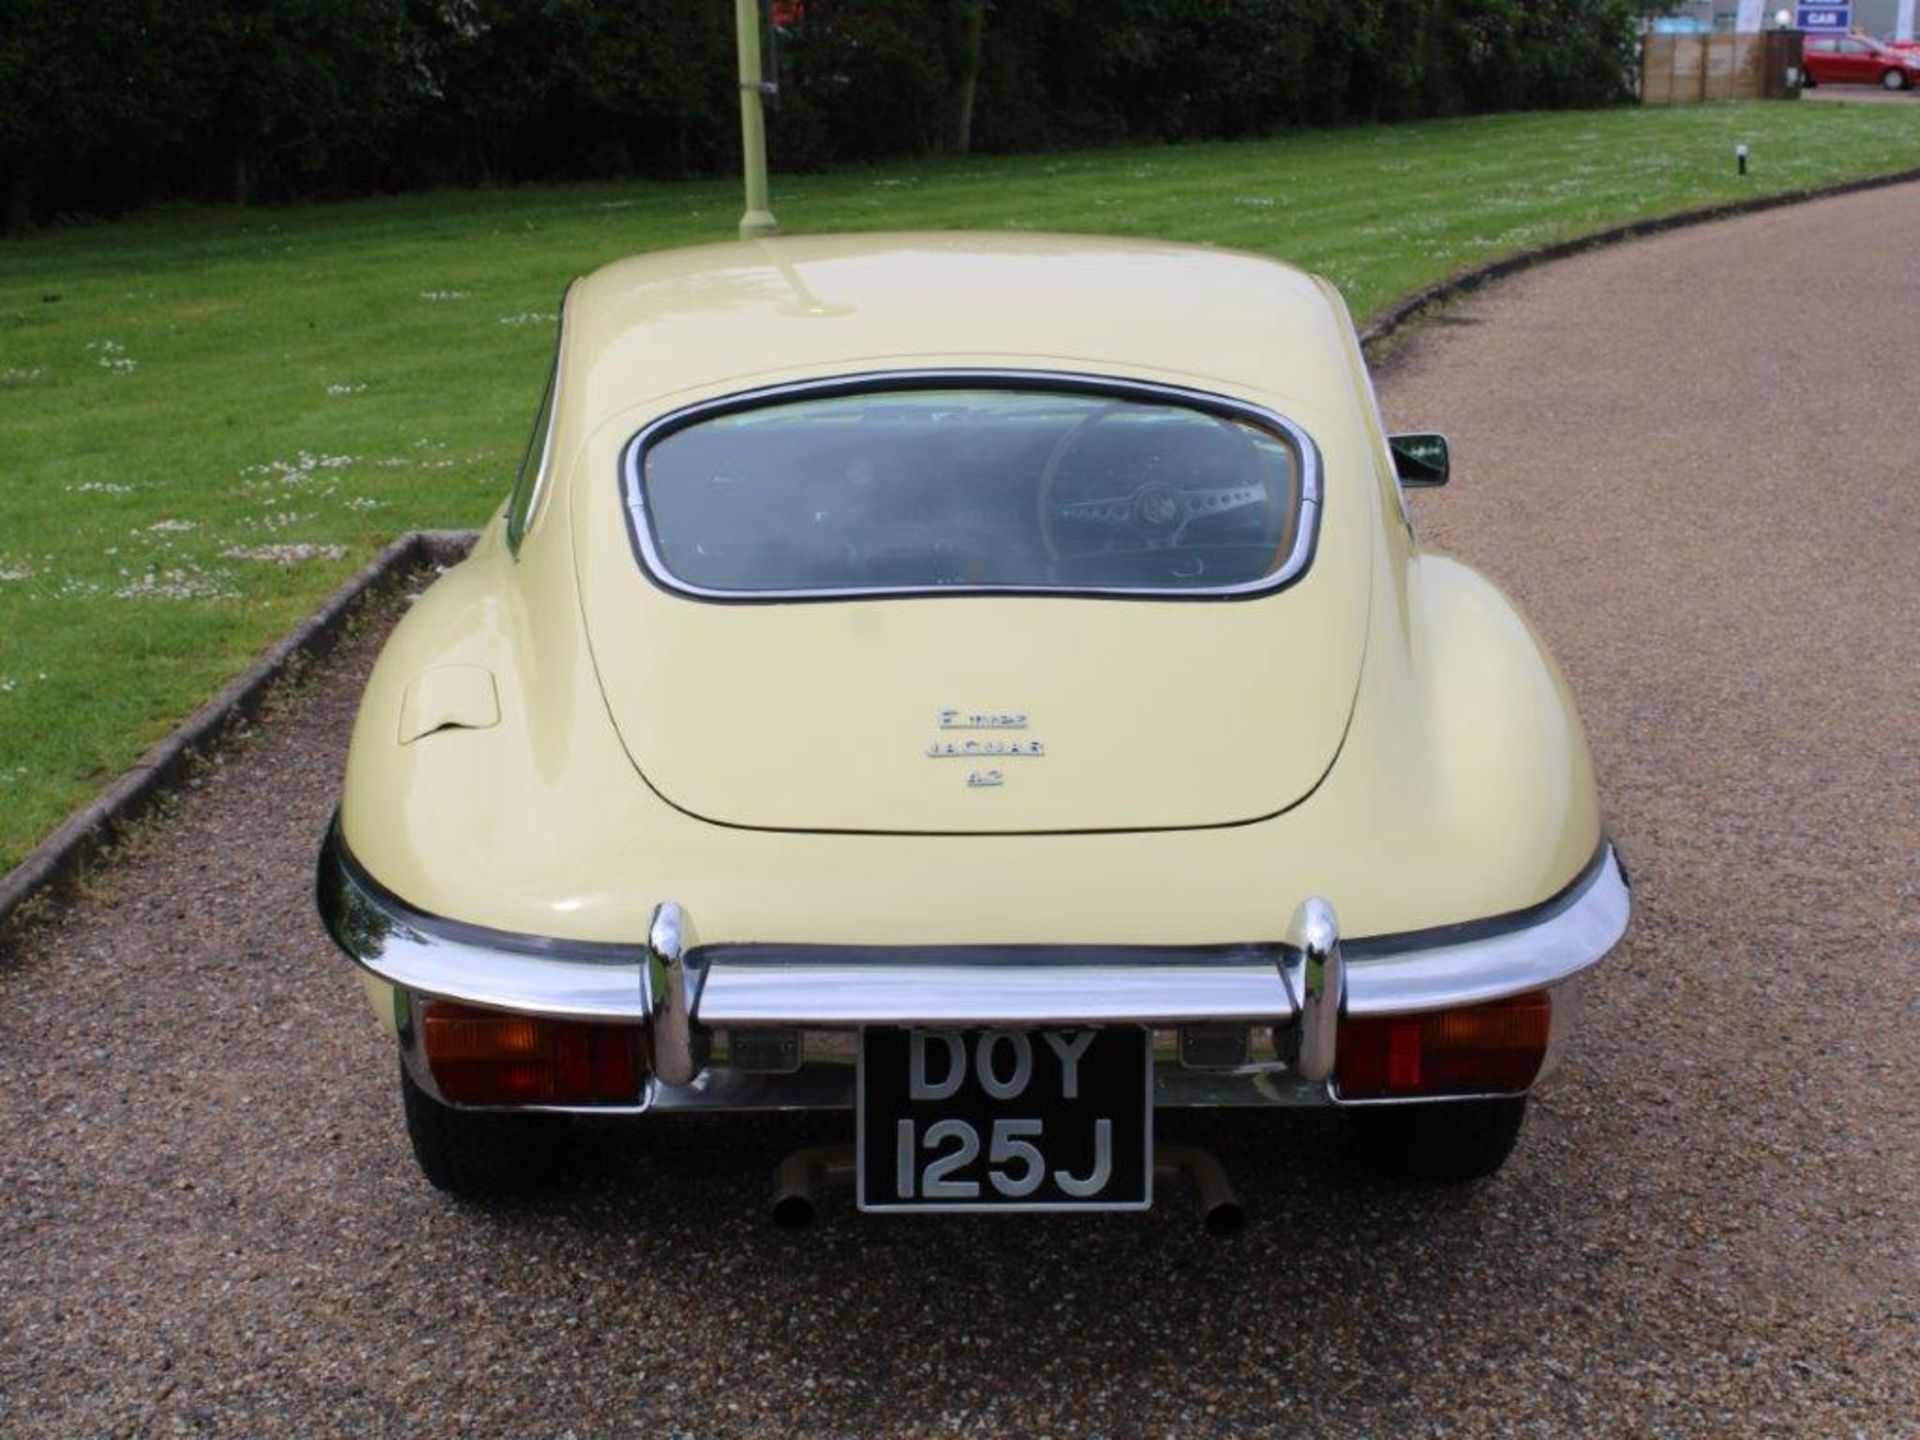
(1873, 17)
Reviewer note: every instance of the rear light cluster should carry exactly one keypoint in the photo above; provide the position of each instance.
(1477, 1050)
(491, 1057)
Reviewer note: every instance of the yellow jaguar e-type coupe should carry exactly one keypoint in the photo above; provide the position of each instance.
(986, 682)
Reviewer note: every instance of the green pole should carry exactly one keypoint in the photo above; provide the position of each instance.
(753, 122)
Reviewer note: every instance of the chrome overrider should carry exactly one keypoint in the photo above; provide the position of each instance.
(692, 996)
(1318, 977)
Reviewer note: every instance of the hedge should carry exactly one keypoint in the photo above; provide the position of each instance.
(110, 104)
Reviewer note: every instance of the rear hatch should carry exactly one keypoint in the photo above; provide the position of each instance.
(931, 702)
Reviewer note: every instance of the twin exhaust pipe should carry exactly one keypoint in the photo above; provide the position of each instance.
(1314, 973)
(804, 1176)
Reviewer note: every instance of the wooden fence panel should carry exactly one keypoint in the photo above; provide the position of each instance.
(1656, 70)
(1686, 69)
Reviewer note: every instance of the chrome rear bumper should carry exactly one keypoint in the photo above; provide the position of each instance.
(688, 996)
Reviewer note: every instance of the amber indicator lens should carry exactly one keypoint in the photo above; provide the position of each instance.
(1478, 1049)
(481, 1035)
(489, 1057)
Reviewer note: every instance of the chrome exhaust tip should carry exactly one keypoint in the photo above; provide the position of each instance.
(794, 1213)
(799, 1179)
(1224, 1220)
(1221, 1213)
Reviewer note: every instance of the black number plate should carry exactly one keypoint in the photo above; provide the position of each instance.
(1006, 1119)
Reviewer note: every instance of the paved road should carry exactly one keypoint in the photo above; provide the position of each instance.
(1693, 460)
(1862, 94)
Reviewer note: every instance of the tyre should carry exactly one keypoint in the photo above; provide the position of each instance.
(1806, 80)
(1446, 1142)
(481, 1154)
(1894, 80)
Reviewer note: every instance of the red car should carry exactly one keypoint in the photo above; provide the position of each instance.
(1859, 60)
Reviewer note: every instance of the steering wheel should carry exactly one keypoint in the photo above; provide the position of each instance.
(1156, 513)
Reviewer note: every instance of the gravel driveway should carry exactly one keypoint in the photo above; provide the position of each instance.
(1694, 461)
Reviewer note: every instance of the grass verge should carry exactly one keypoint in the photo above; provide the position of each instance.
(210, 417)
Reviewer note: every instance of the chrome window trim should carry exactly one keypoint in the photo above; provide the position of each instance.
(646, 549)
(522, 517)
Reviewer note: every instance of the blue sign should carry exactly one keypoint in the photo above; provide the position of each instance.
(1824, 19)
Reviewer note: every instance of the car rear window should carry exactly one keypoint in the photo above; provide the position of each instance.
(884, 489)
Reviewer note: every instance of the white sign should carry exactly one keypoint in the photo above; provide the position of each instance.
(1752, 15)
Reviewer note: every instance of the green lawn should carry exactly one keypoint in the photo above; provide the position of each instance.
(183, 392)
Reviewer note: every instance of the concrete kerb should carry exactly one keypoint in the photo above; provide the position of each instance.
(60, 858)
(62, 855)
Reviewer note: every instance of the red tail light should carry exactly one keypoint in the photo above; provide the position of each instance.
(1480, 1049)
(491, 1057)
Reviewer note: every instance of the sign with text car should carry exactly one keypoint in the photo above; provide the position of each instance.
(1823, 19)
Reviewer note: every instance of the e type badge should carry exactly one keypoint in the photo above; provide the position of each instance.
(995, 747)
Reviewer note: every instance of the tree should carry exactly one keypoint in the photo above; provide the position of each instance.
(102, 88)
(110, 103)
(968, 31)
(307, 87)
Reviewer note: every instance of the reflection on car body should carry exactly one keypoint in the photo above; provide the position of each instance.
(1260, 802)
